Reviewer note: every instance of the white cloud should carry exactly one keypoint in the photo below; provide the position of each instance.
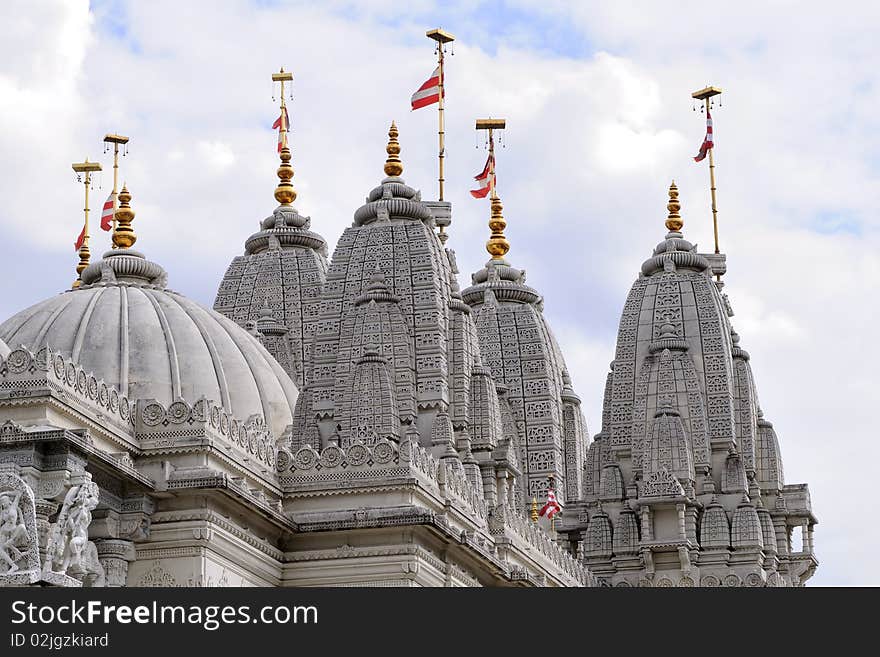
(216, 154)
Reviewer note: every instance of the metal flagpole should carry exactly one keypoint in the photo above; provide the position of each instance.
(442, 38)
(705, 95)
(115, 140)
(284, 192)
(491, 125)
(84, 172)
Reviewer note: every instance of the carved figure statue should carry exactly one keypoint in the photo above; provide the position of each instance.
(69, 546)
(13, 532)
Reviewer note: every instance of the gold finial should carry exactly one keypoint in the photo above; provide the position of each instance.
(673, 221)
(534, 513)
(497, 246)
(393, 165)
(84, 255)
(285, 194)
(123, 236)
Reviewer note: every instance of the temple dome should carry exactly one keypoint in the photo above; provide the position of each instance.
(4, 350)
(152, 343)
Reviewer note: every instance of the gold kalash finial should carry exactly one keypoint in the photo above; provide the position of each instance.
(123, 236)
(673, 222)
(285, 194)
(393, 165)
(84, 171)
(497, 246)
(534, 511)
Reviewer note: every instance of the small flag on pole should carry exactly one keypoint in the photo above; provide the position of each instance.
(80, 239)
(485, 179)
(708, 141)
(282, 124)
(551, 507)
(108, 212)
(429, 92)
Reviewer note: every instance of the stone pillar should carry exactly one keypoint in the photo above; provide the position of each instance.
(647, 528)
(502, 488)
(783, 539)
(115, 555)
(45, 509)
(682, 531)
(490, 489)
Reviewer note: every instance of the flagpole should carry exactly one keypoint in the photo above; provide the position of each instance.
(491, 125)
(284, 192)
(442, 38)
(84, 172)
(705, 95)
(115, 139)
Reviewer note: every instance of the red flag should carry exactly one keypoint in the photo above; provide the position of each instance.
(282, 123)
(551, 507)
(486, 179)
(108, 211)
(429, 92)
(708, 141)
(79, 240)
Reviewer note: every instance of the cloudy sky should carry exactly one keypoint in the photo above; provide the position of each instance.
(597, 97)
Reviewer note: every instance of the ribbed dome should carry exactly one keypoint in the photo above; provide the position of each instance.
(4, 350)
(150, 342)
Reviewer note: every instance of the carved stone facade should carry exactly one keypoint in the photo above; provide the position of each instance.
(684, 446)
(364, 422)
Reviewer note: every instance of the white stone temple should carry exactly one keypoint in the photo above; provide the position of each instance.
(364, 421)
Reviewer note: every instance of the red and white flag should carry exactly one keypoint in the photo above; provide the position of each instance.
(282, 124)
(708, 141)
(108, 212)
(551, 507)
(429, 92)
(485, 179)
(79, 240)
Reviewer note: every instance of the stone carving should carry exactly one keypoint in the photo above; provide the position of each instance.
(69, 550)
(18, 530)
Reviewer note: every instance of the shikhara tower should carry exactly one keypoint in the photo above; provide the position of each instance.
(364, 421)
(684, 484)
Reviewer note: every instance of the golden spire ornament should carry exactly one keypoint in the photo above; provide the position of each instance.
(123, 236)
(84, 171)
(534, 511)
(393, 165)
(673, 221)
(285, 194)
(497, 246)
